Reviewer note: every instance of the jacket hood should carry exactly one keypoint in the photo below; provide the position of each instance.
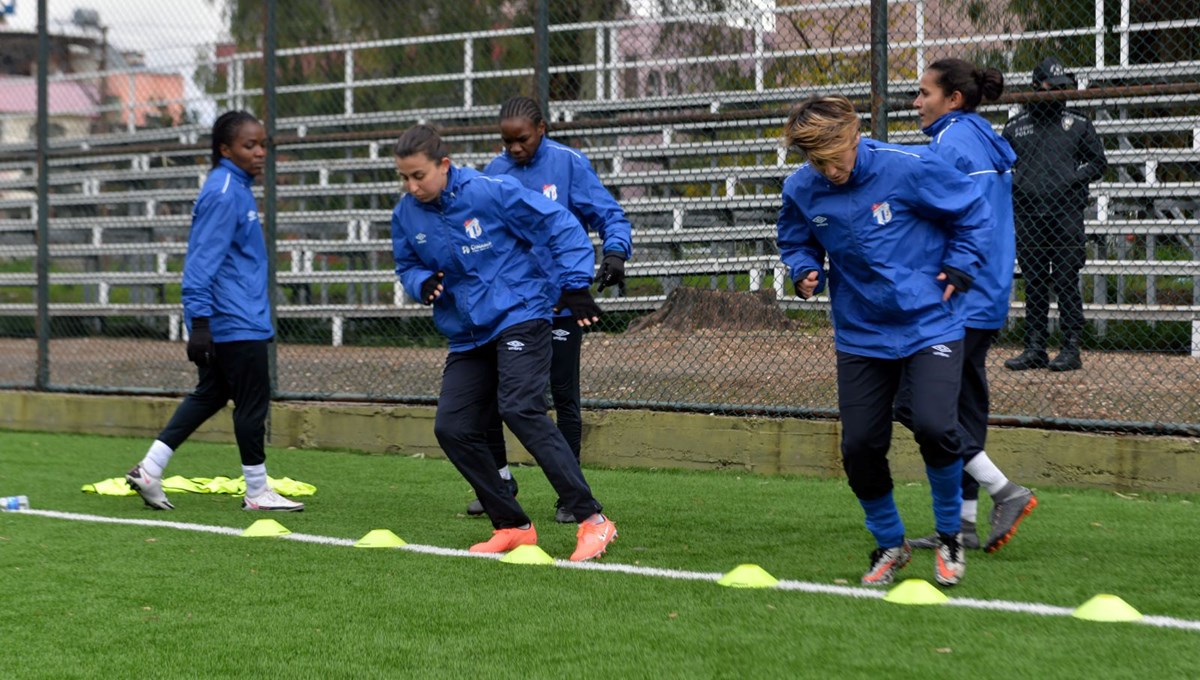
(1000, 154)
(243, 176)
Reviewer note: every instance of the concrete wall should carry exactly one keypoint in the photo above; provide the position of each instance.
(646, 439)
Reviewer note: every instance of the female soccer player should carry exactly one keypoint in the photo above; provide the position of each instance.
(470, 245)
(228, 309)
(949, 92)
(563, 175)
(905, 234)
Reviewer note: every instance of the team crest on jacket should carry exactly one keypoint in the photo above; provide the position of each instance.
(882, 212)
(1067, 122)
(473, 228)
(550, 191)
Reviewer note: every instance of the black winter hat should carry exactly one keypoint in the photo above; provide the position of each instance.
(1051, 71)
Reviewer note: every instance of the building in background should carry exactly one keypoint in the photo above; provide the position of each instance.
(94, 87)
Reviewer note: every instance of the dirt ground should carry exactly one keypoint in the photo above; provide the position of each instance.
(728, 372)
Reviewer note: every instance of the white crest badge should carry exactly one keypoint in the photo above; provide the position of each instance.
(1067, 122)
(473, 228)
(882, 212)
(550, 191)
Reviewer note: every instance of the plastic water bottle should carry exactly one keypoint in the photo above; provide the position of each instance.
(14, 503)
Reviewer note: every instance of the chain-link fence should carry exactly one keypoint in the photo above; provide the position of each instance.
(678, 105)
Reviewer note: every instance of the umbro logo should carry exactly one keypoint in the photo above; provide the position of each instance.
(251, 215)
(820, 221)
(421, 238)
(560, 335)
(941, 351)
(515, 345)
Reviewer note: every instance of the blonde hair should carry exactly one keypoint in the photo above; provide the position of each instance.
(821, 128)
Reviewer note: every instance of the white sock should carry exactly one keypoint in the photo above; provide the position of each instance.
(969, 510)
(986, 473)
(256, 478)
(157, 458)
(505, 473)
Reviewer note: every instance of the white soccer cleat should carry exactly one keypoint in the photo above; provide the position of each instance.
(270, 500)
(949, 563)
(149, 488)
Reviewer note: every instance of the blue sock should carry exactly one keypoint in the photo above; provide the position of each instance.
(883, 520)
(945, 485)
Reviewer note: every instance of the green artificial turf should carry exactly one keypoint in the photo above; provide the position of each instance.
(87, 600)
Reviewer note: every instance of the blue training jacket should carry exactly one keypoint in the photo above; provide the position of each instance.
(565, 175)
(968, 142)
(482, 234)
(225, 270)
(902, 217)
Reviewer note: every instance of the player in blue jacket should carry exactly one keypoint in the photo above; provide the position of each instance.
(905, 235)
(949, 92)
(563, 175)
(468, 244)
(228, 311)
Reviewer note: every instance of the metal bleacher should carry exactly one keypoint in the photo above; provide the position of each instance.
(698, 175)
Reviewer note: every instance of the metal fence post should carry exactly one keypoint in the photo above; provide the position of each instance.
(269, 199)
(42, 378)
(879, 70)
(541, 38)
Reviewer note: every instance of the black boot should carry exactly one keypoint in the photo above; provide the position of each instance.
(1032, 357)
(1068, 358)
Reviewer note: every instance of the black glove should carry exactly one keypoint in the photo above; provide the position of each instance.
(429, 289)
(200, 348)
(580, 302)
(958, 278)
(612, 272)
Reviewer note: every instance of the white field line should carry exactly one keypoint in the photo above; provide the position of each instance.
(802, 586)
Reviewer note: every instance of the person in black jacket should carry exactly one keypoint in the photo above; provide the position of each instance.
(1058, 155)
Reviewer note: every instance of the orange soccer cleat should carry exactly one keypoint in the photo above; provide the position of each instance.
(503, 540)
(593, 537)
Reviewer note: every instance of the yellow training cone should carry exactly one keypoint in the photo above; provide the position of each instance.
(266, 527)
(380, 538)
(915, 591)
(748, 576)
(1106, 608)
(527, 554)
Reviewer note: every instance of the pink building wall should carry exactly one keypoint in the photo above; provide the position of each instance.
(151, 94)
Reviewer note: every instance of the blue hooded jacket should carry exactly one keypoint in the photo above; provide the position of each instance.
(482, 234)
(901, 218)
(565, 175)
(967, 141)
(225, 270)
